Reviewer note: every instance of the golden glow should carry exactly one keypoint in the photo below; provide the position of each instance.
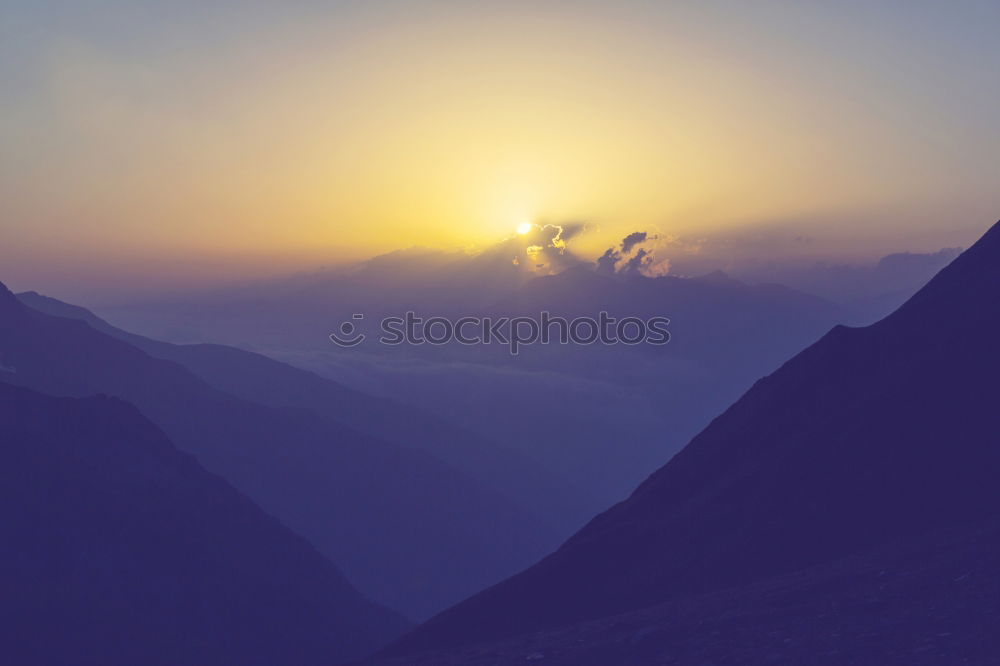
(316, 139)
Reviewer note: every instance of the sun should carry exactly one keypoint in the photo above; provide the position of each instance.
(524, 228)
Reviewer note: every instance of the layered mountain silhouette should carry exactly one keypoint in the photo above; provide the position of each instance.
(394, 518)
(595, 419)
(119, 549)
(868, 292)
(263, 380)
(648, 400)
(714, 319)
(870, 435)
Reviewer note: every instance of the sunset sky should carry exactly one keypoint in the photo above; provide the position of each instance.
(172, 142)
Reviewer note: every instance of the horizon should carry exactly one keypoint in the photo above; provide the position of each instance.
(693, 256)
(205, 145)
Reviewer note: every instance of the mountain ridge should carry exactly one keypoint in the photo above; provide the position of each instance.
(120, 549)
(389, 517)
(762, 489)
(267, 381)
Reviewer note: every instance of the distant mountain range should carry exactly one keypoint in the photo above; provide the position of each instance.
(868, 292)
(269, 382)
(871, 436)
(297, 311)
(704, 312)
(118, 549)
(393, 517)
(563, 430)
(620, 412)
(607, 415)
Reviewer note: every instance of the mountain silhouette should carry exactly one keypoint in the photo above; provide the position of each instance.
(120, 549)
(869, 435)
(867, 292)
(393, 518)
(704, 311)
(724, 335)
(595, 419)
(266, 381)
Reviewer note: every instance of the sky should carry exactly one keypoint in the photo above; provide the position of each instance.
(161, 144)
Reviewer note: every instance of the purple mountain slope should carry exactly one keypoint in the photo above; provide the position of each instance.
(393, 518)
(870, 434)
(263, 380)
(120, 549)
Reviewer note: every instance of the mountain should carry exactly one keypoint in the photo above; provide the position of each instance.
(925, 601)
(592, 421)
(302, 310)
(869, 435)
(120, 549)
(394, 519)
(865, 290)
(708, 315)
(263, 380)
(621, 411)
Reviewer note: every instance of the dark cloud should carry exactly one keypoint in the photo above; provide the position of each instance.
(635, 265)
(633, 239)
(606, 262)
(623, 261)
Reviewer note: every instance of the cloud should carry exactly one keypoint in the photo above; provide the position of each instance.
(633, 239)
(635, 265)
(543, 250)
(606, 262)
(571, 230)
(630, 259)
